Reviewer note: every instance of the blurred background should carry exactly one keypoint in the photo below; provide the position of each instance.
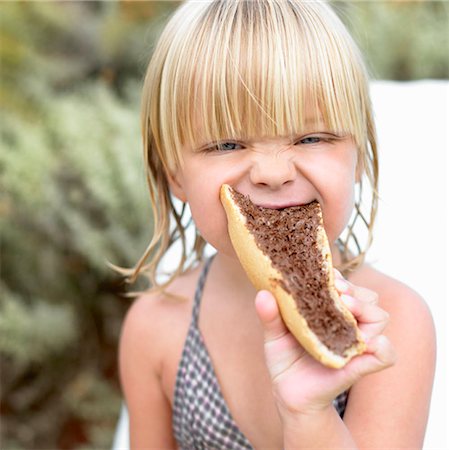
(73, 193)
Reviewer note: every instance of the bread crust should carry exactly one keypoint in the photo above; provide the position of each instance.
(264, 276)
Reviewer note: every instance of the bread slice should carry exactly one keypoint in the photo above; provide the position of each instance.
(287, 253)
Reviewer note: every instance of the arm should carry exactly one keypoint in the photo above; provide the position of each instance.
(140, 371)
(323, 429)
(398, 398)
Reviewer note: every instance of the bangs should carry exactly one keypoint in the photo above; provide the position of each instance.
(259, 68)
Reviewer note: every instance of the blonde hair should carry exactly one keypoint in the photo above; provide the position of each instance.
(247, 68)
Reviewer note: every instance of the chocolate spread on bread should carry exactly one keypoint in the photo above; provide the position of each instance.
(289, 238)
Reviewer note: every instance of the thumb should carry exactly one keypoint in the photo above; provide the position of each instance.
(268, 312)
(281, 348)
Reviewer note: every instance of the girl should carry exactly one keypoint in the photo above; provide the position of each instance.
(271, 97)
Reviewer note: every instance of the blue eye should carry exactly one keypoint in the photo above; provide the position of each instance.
(227, 146)
(319, 138)
(310, 140)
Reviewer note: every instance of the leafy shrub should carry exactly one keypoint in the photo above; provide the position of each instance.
(74, 197)
(401, 40)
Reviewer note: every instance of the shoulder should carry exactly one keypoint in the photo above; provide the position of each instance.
(154, 329)
(397, 400)
(406, 307)
(411, 324)
(152, 336)
(155, 322)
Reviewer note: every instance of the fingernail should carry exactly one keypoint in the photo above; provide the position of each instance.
(347, 299)
(341, 285)
(337, 273)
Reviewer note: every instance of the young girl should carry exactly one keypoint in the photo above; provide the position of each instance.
(270, 97)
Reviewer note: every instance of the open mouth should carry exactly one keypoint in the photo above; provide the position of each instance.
(277, 204)
(282, 205)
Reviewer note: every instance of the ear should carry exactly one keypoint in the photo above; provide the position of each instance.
(176, 186)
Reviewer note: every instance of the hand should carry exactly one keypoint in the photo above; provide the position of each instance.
(302, 384)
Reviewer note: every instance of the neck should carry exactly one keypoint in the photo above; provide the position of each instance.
(230, 272)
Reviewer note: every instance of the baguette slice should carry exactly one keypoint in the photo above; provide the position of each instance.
(287, 253)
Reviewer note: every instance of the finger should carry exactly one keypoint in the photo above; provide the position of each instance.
(281, 348)
(366, 295)
(371, 319)
(379, 355)
(343, 286)
(268, 312)
(338, 274)
(365, 312)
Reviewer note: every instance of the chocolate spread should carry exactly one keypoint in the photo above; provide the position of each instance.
(289, 238)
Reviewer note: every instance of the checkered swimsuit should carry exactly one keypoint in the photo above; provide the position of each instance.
(201, 418)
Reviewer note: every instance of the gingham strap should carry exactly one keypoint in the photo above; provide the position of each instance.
(201, 418)
(199, 292)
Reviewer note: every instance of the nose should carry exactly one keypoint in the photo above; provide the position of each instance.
(272, 171)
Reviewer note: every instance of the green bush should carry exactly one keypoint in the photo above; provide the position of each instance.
(401, 40)
(74, 196)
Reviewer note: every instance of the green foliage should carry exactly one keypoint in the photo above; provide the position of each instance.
(74, 197)
(401, 40)
(76, 178)
(24, 329)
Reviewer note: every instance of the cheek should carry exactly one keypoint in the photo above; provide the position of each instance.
(202, 182)
(336, 219)
(210, 220)
(338, 201)
(347, 206)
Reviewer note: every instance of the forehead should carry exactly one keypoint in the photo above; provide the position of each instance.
(204, 131)
(250, 125)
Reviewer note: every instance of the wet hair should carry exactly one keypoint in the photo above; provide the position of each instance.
(248, 68)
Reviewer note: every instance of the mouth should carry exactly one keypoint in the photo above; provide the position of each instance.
(275, 204)
(280, 206)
